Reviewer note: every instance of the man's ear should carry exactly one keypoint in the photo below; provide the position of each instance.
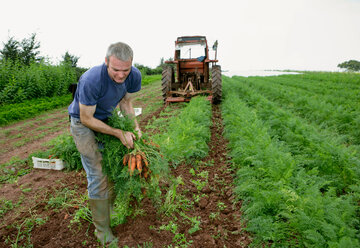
(106, 62)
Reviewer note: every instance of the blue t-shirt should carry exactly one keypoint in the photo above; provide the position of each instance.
(95, 87)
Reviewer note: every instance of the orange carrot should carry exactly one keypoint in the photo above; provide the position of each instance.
(138, 162)
(133, 165)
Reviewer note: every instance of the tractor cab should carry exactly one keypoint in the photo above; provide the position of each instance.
(191, 62)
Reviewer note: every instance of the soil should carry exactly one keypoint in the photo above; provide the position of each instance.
(20, 131)
(31, 193)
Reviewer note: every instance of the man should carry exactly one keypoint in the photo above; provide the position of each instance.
(100, 90)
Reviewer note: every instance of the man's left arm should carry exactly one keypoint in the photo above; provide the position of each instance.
(126, 106)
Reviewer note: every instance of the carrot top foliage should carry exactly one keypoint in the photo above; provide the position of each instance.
(129, 187)
(188, 133)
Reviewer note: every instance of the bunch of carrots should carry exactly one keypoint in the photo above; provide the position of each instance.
(137, 160)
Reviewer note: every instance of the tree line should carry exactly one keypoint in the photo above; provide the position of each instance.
(350, 65)
(25, 74)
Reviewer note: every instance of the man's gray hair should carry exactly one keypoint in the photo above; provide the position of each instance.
(121, 51)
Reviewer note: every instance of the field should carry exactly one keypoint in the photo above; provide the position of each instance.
(277, 164)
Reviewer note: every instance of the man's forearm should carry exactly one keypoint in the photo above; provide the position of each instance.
(87, 118)
(97, 125)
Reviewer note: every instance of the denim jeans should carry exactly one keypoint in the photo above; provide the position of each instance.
(84, 137)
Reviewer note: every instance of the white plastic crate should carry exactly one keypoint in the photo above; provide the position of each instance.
(137, 111)
(51, 164)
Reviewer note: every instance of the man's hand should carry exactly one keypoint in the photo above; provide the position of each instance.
(127, 138)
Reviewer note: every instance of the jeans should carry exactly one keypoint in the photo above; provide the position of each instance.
(84, 137)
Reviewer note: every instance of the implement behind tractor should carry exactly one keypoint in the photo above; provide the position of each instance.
(193, 77)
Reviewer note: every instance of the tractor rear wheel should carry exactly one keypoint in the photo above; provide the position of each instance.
(216, 85)
(167, 76)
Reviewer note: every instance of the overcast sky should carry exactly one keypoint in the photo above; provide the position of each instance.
(252, 34)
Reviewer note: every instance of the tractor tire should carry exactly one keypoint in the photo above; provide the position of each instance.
(166, 79)
(216, 84)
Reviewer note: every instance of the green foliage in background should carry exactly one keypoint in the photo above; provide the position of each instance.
(148, 79)
(25, 75)
(19, 83)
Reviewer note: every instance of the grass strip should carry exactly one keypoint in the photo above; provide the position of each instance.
(149, 79)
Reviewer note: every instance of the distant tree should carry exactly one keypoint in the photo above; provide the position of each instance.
(30, 50)
(70, 59)
(162, 62)
(351, 65)
(11, 50)
(162, 65)
(25, 51)
(145, 70)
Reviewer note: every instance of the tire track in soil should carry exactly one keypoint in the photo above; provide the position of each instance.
(226, 229)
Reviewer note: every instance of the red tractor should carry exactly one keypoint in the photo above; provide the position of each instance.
(192, 77)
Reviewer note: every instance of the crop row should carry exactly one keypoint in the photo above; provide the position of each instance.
(332, 91)
(343, 117)
(315, 148)
(299, 188)
(27, 109)
(187, 134)
(349, 79)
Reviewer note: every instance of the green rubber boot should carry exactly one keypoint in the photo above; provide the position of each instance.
(100, 211)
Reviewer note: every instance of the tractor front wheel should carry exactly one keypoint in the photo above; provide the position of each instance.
(216, 85)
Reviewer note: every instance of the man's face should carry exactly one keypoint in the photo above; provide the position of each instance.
(118, 70)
